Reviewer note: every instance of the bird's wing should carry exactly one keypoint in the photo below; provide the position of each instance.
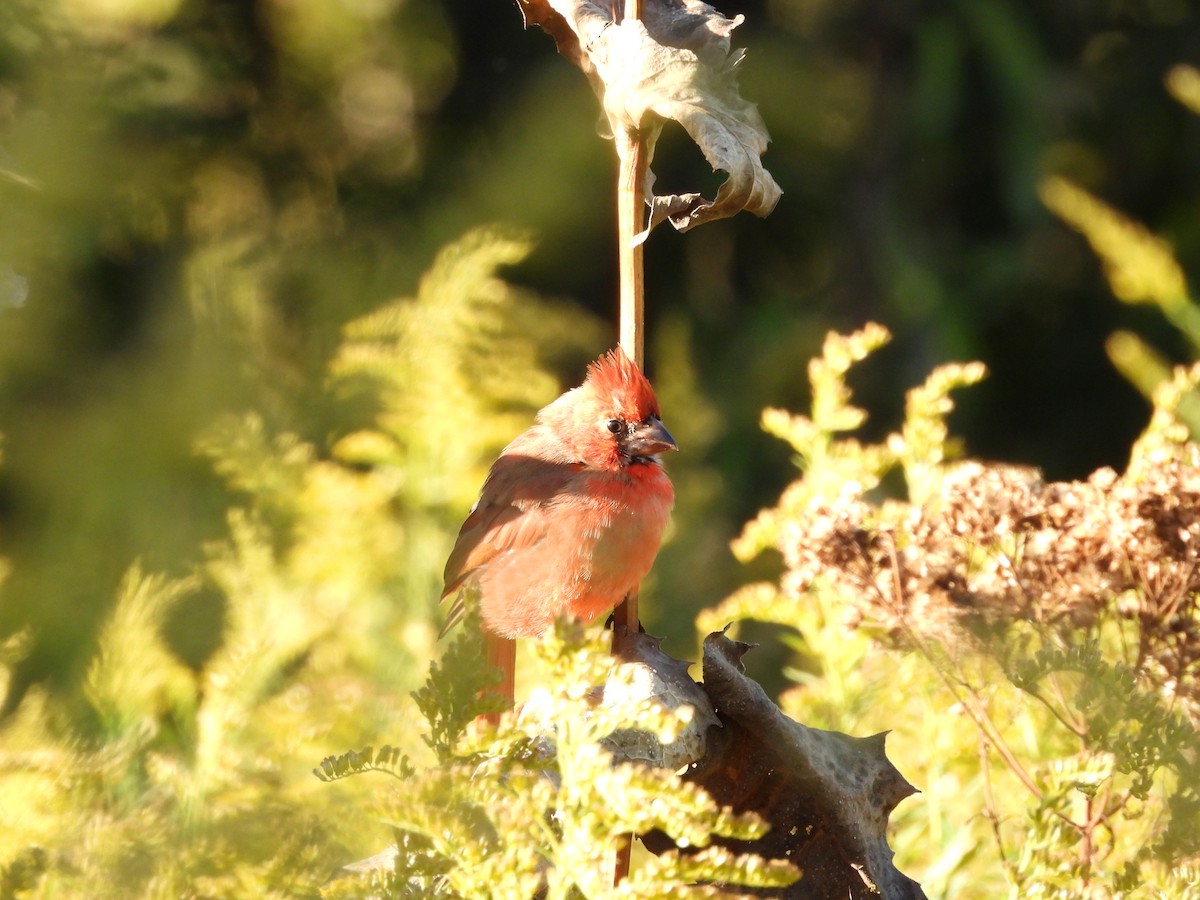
(488, 532)
(508, 517)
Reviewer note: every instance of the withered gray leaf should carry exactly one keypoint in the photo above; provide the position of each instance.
(827, 796)
(673, 64)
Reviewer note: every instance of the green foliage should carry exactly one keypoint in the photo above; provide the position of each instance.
(840, 466)
(190, 778)
(1141, 268)
(1036, 721)
(539, 798)
(197, 777)
(454, 370)
(449, 701)
(452, 374)
(132, 693)
(389, 760)
(834, 464)
(154, 805)
(1042, 639)
(198, 197)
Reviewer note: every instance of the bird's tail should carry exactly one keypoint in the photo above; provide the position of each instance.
(501, 656)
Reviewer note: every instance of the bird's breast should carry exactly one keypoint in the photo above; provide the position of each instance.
(621, 522)
(580, 548)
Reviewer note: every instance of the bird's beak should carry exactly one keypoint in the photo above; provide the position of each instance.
(649, 438)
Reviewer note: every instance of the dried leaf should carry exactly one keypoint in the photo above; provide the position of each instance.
(827, 796)
(673, 64)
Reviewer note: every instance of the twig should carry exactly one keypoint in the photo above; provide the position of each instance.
(989, 803)
(631, 204)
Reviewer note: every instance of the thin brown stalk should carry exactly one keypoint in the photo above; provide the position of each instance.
(631, 203)
(990, 811)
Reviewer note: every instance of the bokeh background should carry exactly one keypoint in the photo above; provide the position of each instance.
(197, 197)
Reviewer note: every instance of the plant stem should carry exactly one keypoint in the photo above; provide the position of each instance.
(631, 205)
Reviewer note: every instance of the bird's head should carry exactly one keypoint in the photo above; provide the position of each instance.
(612, 420)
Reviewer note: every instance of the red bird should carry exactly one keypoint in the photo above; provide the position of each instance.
(572, 513)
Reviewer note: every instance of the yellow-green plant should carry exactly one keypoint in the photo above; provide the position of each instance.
(540, 802)
(1140, 267)
(157, 804)
(1043, 673)
(452, 374)
(163, 778)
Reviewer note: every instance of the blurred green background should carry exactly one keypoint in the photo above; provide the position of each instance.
(196, 196)
(279, 278)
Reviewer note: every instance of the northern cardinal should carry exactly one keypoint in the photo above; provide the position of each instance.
(572, 512)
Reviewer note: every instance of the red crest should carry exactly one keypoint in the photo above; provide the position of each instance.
(615, 376)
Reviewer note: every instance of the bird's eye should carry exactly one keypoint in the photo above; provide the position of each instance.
(616, 426)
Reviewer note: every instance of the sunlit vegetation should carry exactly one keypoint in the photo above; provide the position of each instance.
(279, 279)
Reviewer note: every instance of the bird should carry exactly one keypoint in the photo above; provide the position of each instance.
(571, 514)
